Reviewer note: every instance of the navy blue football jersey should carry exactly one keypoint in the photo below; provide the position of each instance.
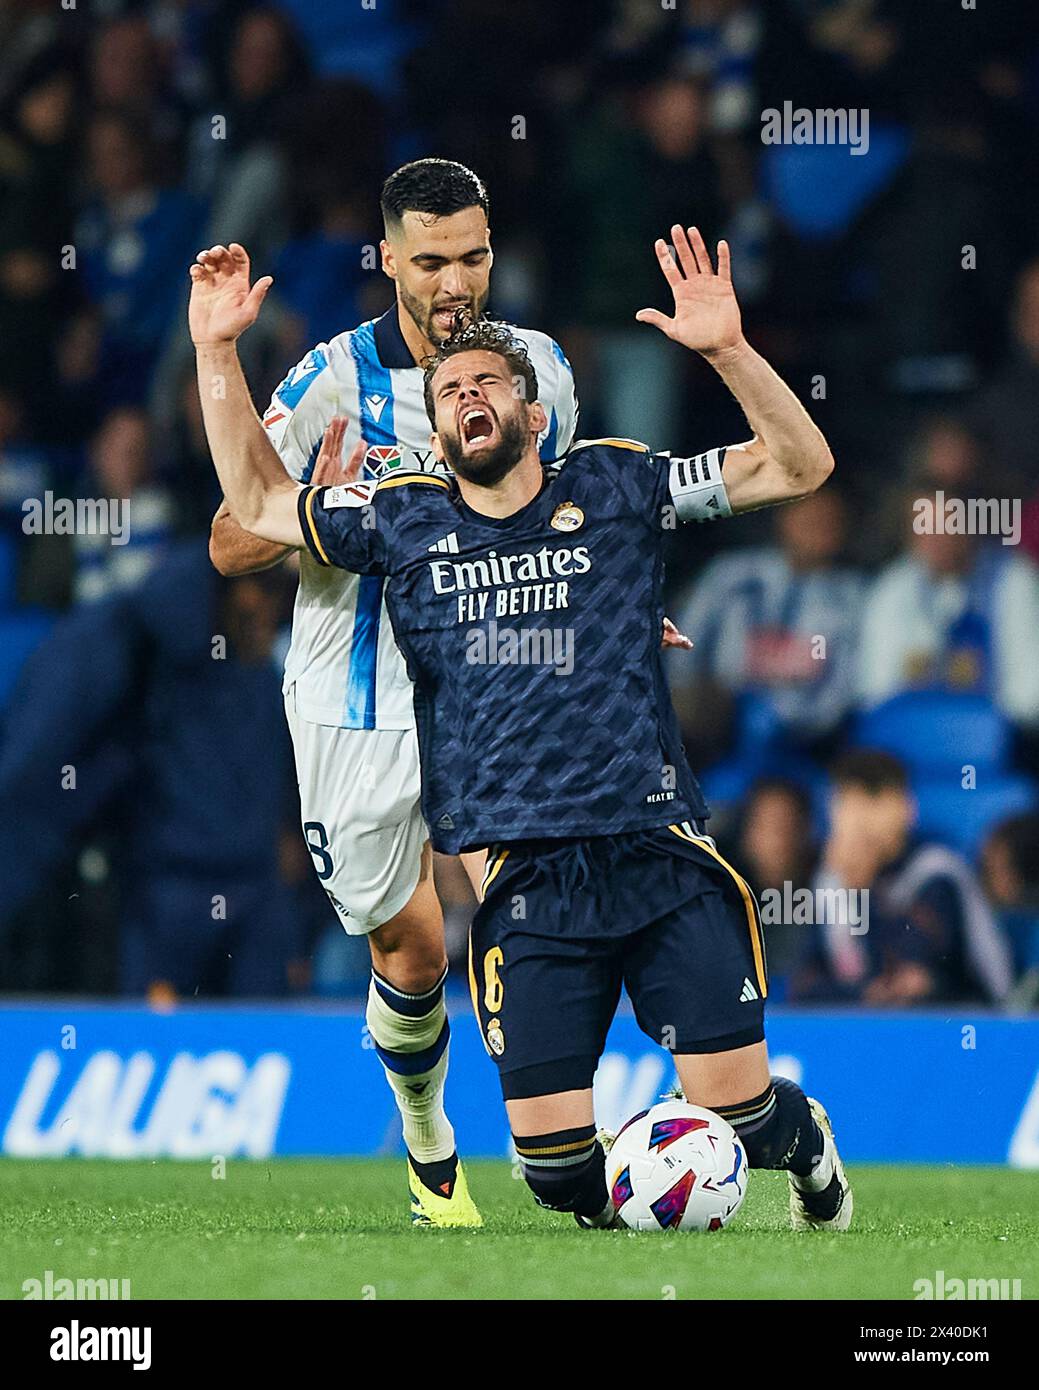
(533, 641)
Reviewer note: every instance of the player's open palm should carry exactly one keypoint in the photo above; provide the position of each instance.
(223, 304)
(329, 468)
(707, 316)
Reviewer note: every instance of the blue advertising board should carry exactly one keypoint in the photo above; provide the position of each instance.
(124, 1081)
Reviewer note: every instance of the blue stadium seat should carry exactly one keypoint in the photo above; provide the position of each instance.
(725, 784)
(936, 730)
(20, 634)
(820, 189)
(346, 40)
(962, 818)
(758, 726)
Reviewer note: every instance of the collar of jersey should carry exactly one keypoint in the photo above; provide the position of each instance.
(503, 522)
(389, 341)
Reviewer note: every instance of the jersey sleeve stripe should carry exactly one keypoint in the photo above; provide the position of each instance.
(633, 444)
(400, 479)
(309, 529)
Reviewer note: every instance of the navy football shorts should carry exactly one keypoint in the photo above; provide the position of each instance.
(564, 923)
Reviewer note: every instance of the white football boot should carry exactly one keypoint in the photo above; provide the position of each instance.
(801, 1216)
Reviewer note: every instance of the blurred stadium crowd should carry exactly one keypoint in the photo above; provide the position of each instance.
(147, 791)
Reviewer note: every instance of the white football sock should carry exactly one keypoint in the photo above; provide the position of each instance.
(413, 1047)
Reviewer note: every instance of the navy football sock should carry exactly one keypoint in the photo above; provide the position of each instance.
(565, 1171)
(777, 1128)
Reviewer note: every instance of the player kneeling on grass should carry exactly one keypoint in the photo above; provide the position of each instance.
(348, 699)
(528, 603)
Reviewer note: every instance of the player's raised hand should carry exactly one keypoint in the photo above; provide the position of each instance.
(707, 316)
(223, 304)
(329, 468)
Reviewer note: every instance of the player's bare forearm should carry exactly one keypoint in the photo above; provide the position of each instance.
(221, 306)
(234, 551)
(789, 456)
(260, 496)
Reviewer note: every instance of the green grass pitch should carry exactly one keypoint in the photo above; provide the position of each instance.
(340, 1230)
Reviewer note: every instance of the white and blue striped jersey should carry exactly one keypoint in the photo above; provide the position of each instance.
(343, 660)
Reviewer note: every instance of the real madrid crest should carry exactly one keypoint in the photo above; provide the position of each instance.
(567, 517)
(495, 1037)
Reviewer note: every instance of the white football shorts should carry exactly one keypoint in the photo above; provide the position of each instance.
(359, 795)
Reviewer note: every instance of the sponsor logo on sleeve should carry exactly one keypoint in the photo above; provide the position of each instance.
(348, 495)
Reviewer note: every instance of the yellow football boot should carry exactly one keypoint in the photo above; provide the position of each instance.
(443, 1210)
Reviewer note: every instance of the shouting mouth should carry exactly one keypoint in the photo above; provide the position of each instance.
(477, 427)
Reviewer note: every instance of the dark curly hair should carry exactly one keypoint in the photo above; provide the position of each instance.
(480, 335)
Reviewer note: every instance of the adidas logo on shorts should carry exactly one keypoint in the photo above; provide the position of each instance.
(748, 992)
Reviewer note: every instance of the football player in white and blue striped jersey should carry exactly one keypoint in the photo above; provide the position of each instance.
(347, 693)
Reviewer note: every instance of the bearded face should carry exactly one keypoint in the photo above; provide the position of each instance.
(472, 456)
(483, 426)
(441, 265)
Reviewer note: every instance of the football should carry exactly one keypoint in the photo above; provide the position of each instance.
(677, 1167)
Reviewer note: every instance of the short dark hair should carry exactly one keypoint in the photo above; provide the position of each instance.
(435, 186)
(871, 769)
(480, 335)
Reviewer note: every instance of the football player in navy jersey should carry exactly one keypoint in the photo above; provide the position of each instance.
(348, 701)
(528, 604)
